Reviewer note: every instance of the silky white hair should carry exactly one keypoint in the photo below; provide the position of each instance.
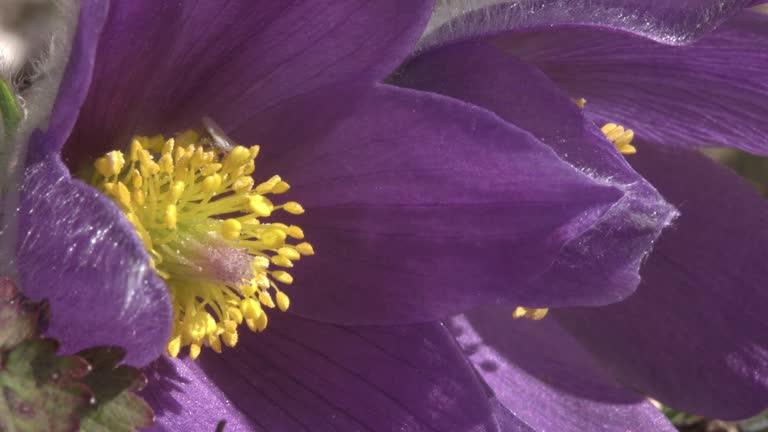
(35, 43)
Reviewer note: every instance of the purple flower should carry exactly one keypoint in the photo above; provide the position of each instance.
(692, 336)
(419, 205)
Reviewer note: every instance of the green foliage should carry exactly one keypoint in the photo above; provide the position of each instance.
(9, 110)
(117, 408)
(41, 391)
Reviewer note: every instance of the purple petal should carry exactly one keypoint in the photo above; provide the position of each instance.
(178, 61)
(77, 250)
(74, 85)
(412, 198)
(543, 376)
(601, 265)
(506, 420)
(669, 21)
(304, 375)
(710, 93)
(694, 335)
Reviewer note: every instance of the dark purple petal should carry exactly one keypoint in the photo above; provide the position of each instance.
(670, 21)
(77, 250)
(710, 93)
(602, 265)
(303, 375)
(694, 335)
(74, 85)
(162, 66)
(412, 198)
(543, 376)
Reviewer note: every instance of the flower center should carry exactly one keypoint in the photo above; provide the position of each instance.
(199, 213)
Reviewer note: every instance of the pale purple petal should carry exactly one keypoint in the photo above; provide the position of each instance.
(77, 250)
(694, 336)
(302, 375)
(506, 420)
(602, 264)
(543, 376)
(669, 21)
(710, 93)
(412, 198)
(162, 66)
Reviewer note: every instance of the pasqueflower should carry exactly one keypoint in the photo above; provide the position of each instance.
(418, 206)
(693, 335)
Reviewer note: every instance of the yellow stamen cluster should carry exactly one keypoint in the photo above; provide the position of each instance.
(620, 137)
(198, 212)
(530, 313)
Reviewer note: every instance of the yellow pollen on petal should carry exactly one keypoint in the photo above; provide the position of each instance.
(202, 219)
(530, 313)
(620, 137)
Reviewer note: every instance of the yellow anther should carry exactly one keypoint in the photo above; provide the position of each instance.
(268, 185)
(237, 157)
(194, 351)
(242, 184)
(123, 195)
(260, 263)
(136, 149)
(166, 164)
(283, 277)
(235, 314)
(138, 196)
(266, 299)
(170, 217)
(293, 207)
(176, 190)
(168, 145)
(281, 261)
(211, 184)
(230, 339)
(251, 308)
(281, 187)
(110, 164)
(136, 179)
(283, 301)
(620, 138)
(260, 206)
(305, 249)
(273, 238)
(261, 322)
(210, 169)
(215, 343)
(295, 232)
(249, 289)
(174, 346)
(530, 313)
(254, 151)
(290, 253)
(229, 326)
(230, 229)
(580, 102)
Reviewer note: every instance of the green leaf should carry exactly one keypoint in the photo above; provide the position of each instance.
(43, 392)
(9, 109)
(18, 317)
(117, 407)
(40, 391)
